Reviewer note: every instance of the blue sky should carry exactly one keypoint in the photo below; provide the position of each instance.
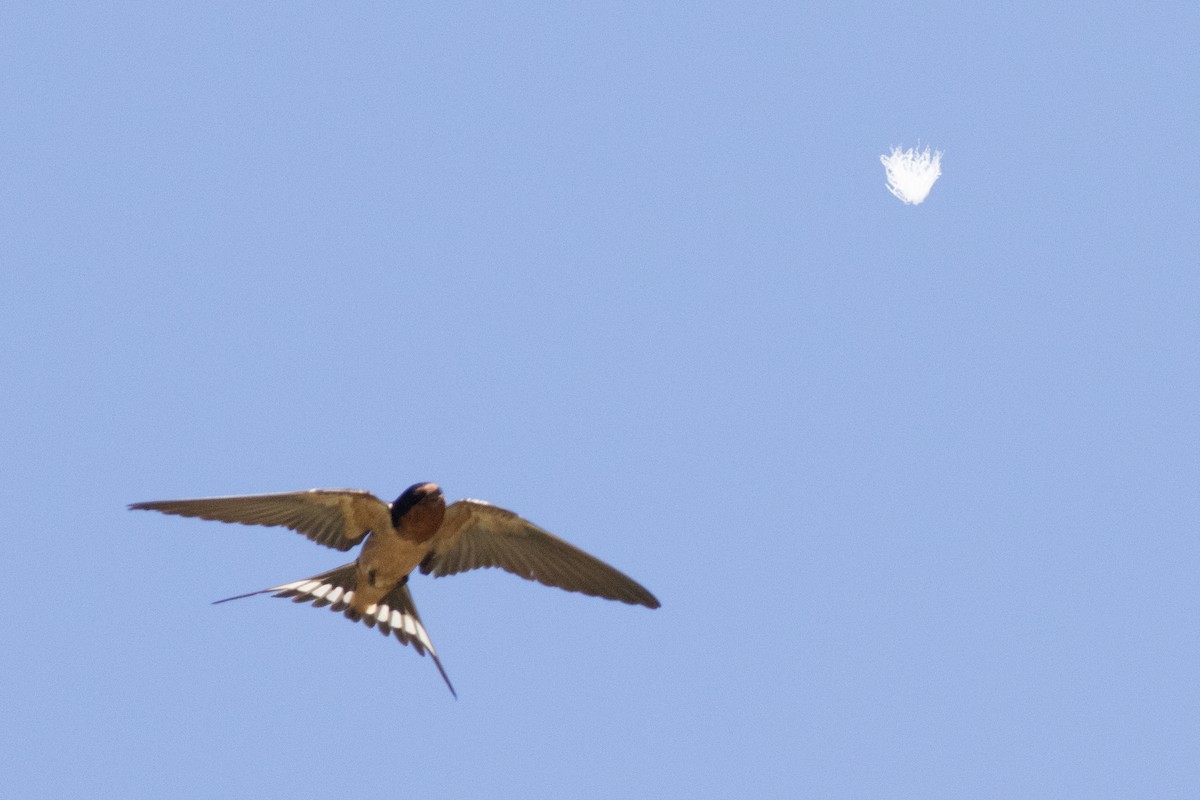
(917, 486)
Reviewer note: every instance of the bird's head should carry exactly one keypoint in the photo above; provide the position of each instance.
(418, 496)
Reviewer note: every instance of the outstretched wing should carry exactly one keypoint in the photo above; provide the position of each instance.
(394, 614)
(337, 518)
(476, 534)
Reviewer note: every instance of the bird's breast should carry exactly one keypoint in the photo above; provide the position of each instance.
(421, 522)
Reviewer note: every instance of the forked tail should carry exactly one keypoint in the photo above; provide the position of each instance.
(395, 613)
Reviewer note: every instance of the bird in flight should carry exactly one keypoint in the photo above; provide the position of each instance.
(418, 530)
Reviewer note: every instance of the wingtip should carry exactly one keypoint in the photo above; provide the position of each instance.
(148, 505)
(645, 599)
(640, 596)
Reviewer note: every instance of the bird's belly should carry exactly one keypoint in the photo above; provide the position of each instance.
(387, 560)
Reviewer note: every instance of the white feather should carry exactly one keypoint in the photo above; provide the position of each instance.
(911, 173)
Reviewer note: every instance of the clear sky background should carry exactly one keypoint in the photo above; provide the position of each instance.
(917, 486)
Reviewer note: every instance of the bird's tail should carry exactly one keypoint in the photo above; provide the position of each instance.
(395, 613)
(335, 588)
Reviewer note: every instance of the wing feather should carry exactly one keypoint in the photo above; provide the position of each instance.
(337, 518)
(478, 535)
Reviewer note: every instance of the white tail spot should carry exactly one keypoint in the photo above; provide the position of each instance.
(911, 173)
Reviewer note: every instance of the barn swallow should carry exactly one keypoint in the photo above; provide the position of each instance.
(417, 530)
